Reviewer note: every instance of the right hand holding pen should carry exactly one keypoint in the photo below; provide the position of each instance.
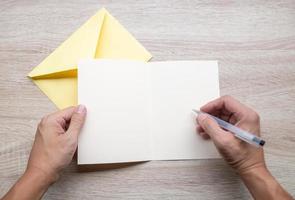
(245, 158)
(239, 155)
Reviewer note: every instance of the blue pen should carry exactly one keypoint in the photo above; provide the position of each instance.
(239, 133)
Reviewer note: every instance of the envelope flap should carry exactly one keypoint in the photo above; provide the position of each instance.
(81, 44)
(115, 42)
(61, 91)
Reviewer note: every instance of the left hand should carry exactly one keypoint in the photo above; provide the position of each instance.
(56, 141)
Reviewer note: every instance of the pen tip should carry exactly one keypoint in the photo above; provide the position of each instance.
(196, 111)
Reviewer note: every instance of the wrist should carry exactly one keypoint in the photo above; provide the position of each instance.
(262, 185)
(31, 185)
(257, 172)
(46, 176)
(253, 170)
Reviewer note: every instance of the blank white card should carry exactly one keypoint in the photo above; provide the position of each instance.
(139, 111)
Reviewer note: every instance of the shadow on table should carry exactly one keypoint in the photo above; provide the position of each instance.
(104, 167)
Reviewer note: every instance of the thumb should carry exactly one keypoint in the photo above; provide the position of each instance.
(209, 125)
(77, 121)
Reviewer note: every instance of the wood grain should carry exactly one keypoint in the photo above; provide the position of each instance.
(253, 40)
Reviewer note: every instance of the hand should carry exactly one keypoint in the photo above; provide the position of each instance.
(239, 155)
(56, 141)
(246, 159)
(53, 149)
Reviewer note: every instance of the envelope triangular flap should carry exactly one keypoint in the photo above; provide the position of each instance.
(81, 44)
(116, 42)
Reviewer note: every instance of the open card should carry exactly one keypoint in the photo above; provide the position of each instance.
(138, 111)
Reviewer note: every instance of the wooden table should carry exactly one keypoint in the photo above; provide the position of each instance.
(253, 40)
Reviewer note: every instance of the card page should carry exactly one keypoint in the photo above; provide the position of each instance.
(117, 124)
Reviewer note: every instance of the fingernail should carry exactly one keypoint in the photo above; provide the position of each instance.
(81, 109)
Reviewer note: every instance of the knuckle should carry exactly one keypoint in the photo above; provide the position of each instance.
(43, 121)
(71, 142)
(227, 97)
(205, 122)
(76, 120)
(256, 116)
(253, 117)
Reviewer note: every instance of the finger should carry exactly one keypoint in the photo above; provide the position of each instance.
(61, 117)
(65, 114)
(77, 121)
(226, 105)
(204, 135)
(229, 118)
(210, 126)
(199, 129)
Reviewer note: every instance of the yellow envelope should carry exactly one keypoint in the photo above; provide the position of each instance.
(102, 36)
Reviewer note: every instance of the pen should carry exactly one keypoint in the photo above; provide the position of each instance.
(239, 133)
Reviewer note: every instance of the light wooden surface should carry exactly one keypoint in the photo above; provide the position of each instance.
(253, 40)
